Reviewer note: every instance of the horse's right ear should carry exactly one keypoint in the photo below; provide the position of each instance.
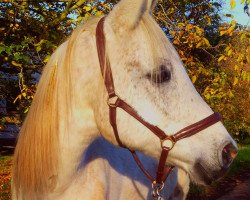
(128, 13)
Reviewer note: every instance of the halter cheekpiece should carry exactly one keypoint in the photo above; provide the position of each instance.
(167, 142)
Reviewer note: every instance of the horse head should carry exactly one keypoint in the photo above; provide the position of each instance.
(149, 75)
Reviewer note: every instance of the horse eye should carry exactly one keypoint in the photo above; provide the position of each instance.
(160, 75)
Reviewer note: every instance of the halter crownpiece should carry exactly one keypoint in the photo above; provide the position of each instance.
(166, 142)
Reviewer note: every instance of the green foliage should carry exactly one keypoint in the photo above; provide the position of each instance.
(242, 160)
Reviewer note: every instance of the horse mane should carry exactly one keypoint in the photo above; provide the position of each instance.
(36, 157)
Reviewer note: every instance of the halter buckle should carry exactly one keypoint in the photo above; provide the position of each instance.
(168, 142)
(112, 100)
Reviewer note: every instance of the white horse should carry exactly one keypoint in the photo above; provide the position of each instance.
(59, 154)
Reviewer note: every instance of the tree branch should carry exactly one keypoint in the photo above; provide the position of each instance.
(67, 10)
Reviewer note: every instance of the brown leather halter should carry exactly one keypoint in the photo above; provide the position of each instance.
(114, 102)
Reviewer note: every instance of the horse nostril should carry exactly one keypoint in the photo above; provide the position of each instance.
(229, 152)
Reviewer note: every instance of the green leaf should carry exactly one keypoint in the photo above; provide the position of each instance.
(46, 59)
(38, 48)
(26, 110)
(2, 48)
(17, 56)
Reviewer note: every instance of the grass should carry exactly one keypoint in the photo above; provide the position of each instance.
(5, 177)
(242, 161)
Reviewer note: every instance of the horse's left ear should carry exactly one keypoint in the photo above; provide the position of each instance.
(128, 13)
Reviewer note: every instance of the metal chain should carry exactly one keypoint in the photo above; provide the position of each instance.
(157, 188)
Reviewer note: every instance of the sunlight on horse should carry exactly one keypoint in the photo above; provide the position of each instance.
(60, 154)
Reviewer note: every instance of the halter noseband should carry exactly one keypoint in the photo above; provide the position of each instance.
(114, 101)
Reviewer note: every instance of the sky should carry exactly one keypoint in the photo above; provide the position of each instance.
(238, 13)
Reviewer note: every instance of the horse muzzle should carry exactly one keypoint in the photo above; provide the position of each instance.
(206, 174)
(227, 154)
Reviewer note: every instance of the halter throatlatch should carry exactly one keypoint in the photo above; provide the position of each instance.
(166, 142)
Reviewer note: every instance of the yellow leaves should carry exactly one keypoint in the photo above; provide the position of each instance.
(87, 8)
(19, 97)
(230, 94)
(107, 6)
(232, 4)
(206, 41)
(176, 42)
(229, 52)
(203, 42)
(98, 13)
(222, 57)
(233, 23)
(16, 64)
(236, 67)
(11, 12)
(46, 59)
(243, 36)
(39, 45)
(208, 19)
(222, 32)
(236, 80)
(228, 29)
(198, 44)
(189, 34)
(194, 78)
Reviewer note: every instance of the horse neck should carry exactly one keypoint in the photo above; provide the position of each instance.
(78, 129)
(73, 141)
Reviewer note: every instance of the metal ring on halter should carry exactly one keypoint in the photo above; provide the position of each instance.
(111, 101)
(168, 142)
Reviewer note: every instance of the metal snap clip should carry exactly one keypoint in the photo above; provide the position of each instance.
(157, 188)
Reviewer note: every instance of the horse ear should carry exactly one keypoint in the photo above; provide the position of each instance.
(128, 13)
